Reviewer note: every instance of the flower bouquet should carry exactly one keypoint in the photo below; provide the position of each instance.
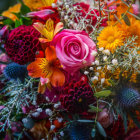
(70, 70)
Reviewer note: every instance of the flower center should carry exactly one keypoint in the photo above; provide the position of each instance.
(111, 39)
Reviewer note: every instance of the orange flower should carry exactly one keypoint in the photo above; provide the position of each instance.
(11, 10)
(48, 67)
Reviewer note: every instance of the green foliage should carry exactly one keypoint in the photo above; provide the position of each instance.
(93, 132)
(94, 109)
(104, 93)
(126, 19)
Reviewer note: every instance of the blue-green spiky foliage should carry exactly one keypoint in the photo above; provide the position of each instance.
(127, 97)
(80, 131)
(14, 71)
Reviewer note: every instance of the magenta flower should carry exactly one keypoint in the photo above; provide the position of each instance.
(74, 49)
(3, 58)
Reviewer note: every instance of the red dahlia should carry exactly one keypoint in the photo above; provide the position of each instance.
(22, 44)
(76, 96)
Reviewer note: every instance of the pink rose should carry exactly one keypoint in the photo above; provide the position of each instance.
(74, 49)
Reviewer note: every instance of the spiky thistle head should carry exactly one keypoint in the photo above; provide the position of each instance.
(79, 131)
(14, 71)
(127, 97)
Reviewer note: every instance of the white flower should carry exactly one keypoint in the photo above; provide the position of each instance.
(94, 53)
(97, 62)
(105, 58)
(101, 49)
(52, 127)
(39, 110)
(60, 120)
(107, 52)
(86, 72)
(115, 62)
(109, 67)
(53, 5)
(93, 63)
(56, 105)
(102, 80)
(49, 112)
(91, 68)
(98, 68)
(47, 99)
(97, 73)
(35, 114)
(66, 17)
(95, 78)
(62, 133)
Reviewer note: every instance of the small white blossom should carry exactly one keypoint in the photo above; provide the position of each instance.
(35, 114)
(56, 105)
(94, 53)
(97, 73)
(101, 49)
(95, 78)
(39, 110)
(91, 68)
(60, 120)
(109, 67)
(52, 127)
(86, 72)
(102, 80)
(97, 62)
(47, 99)
(66, 17)
(98, 68)
(115, 62)
(105, 58)
(107, 52)
(62, 133)
(49, 112)
(53, 5)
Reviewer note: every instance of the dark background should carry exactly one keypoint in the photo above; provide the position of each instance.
(5, 4)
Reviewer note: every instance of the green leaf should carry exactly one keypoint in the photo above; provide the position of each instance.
(101, 129)
(18, 23)
(104, 93)
(24, 9)
(94, 109)
(126, 19)
(8, 21)
(93, 132)
(125, 122)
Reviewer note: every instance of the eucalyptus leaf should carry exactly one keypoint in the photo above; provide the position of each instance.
(94, 109)
(126, 19)
(104, 93)
(93, 132)
(86, 121)
(101, 129)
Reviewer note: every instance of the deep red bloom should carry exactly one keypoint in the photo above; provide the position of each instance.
(22, 44)
(116, 130)
(76, 96)
(83, 9)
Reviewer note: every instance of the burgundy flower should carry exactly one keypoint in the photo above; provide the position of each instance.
(116, 130)
(83, 9)
(76, 96)
(22, 44)
(133, 134)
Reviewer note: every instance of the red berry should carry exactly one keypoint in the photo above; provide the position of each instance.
(40, 54)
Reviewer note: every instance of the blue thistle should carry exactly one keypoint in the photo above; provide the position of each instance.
(79, 131)
(14, 71)
(128, 98)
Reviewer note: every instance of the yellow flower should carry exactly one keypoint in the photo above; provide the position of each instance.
(110, 38)
(11, 10)
(35, 4)
(48, 31)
